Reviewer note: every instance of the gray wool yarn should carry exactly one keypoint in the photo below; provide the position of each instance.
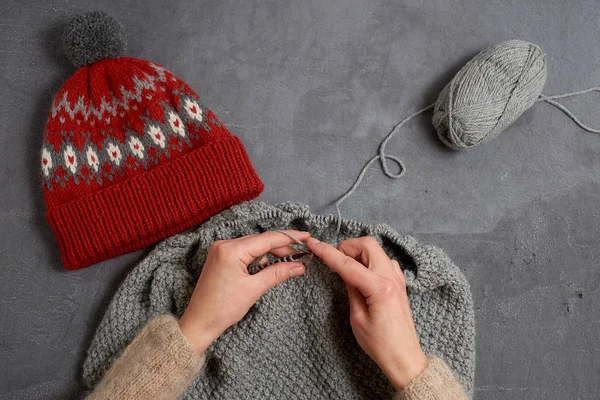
(93, 36)
(296, 342)
(489, 93)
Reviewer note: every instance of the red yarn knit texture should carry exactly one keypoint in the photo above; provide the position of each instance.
(130, 157)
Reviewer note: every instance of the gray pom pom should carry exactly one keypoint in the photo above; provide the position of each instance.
(93, 36)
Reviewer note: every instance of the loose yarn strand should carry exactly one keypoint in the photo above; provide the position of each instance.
(297, 241)
(382, 157)
(551, 100)
(570, 94)
(480, 102)
(300, 244)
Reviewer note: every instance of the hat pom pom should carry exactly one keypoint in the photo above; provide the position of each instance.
(93, 36)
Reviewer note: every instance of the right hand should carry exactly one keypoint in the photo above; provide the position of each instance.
(379, 310)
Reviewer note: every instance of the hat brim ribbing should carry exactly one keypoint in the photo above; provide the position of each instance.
(159, 203)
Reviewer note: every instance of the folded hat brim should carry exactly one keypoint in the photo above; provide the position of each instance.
(154, 205)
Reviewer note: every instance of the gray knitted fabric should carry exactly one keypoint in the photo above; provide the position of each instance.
(296, 342)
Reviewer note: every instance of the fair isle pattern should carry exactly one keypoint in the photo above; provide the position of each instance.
(87, 109)
(130, 157)
(89, 163)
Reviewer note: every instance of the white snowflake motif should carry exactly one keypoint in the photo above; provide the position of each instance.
(157, 136)
(176, 124)
(193, 110)
(136, 147)
(92, 158)
(114, 153)
(70, 159)
(46, 161)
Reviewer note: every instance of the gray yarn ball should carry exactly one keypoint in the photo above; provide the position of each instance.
(489, 93)
(93, 36)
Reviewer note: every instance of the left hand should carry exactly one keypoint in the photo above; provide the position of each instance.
(225, 290)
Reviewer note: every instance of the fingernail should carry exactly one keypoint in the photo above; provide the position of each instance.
(296, 271)
(312, 240)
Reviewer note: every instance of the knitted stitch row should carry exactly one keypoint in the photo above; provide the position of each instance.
(296, 341)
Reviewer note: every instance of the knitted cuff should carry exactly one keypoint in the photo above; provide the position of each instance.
(158, 364)
(436, 382)
(154, 205)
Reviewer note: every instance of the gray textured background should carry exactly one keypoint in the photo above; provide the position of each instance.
(312, 87)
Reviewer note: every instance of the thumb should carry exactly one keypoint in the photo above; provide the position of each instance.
(275, 274)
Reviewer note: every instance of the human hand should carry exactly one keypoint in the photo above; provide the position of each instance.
(225, 290)
(379, 310)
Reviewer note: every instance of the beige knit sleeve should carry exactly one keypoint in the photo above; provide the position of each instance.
(158, 364)
(436, 382)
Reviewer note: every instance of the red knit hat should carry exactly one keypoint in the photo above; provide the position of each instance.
(130, 154)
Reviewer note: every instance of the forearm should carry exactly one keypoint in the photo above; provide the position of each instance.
(436, 382)
(158, 364)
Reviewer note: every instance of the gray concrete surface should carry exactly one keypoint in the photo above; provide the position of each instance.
(312, 87)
